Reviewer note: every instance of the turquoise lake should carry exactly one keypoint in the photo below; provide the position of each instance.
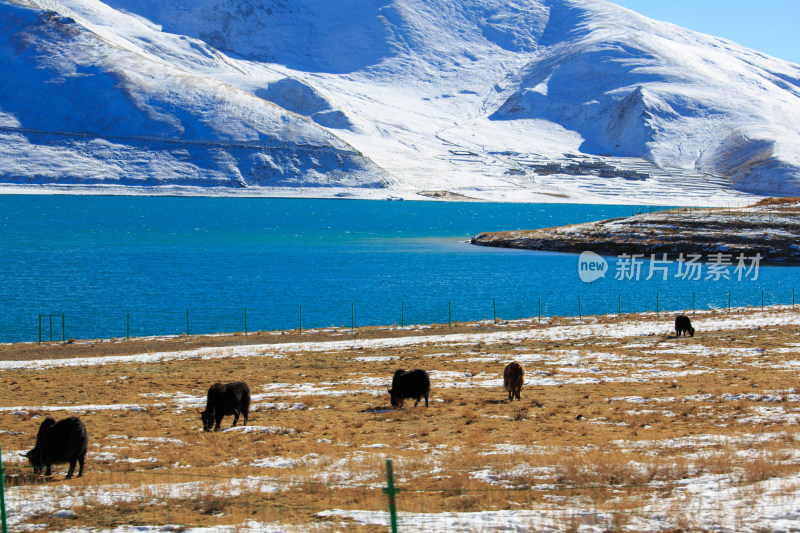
(138, 266)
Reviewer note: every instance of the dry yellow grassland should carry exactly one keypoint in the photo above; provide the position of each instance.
(610, 421)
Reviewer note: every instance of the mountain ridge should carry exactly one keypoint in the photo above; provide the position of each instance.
(396, 93)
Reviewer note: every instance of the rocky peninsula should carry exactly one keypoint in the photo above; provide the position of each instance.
(770, 228)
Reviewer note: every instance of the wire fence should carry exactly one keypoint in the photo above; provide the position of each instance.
(115, 323)
(247, 502)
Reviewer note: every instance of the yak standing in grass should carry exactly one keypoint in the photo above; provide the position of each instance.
(410, 384)
(513, 379)
(683, 326)
(226, 399)
(65, 441)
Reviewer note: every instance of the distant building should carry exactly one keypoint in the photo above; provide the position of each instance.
(547, 168)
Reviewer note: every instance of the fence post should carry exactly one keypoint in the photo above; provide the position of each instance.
(402, 314)
(449, 314)
(40, 329)
(127, 325)
(245, 321)
(658, 310)
(540, 309)
(352, 316)
(390, 491)
(619, 305)
(693, 306)
(301, 319)
(64, 336)
(494, 310)
(187, 321)
(580, 314)
(3, 494)
(762, 299)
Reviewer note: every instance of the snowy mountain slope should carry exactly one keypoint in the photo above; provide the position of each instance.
(676, 97)
(402, 96)
(79, 108)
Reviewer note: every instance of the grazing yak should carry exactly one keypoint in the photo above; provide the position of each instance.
(683, 325)
(513, 379)
(226, 399)
(410, 384)
(65, 441)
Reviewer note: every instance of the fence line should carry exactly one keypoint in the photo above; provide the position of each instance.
(122, 323)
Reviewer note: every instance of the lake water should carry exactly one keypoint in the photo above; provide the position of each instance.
(117, 266)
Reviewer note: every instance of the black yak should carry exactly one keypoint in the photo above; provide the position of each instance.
(513, 379)
(65, 441)
(683, 325)
(410, 384)
(226, 399)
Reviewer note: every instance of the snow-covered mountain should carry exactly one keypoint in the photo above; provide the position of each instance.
(522, 100)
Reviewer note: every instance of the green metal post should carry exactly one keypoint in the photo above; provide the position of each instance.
(540, 309)
(762, 299)
(449, 314)
(352, 316)
(64, 336)
(127, 325)
(3, 523)
(40, 329)
(50, 317)
(729, 301)
(580, 314)
(693, 306)
(619, 305)
(402, 314)
(301, 319)
(245, 321)
(658, 307)
(390, 491)
(494, 310)
(187, 321)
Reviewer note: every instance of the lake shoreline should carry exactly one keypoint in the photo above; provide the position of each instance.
(351, 193)
(313, 338)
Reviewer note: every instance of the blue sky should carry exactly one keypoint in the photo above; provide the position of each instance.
(769, 26)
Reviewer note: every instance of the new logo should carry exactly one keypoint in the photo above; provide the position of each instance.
(591, 267)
